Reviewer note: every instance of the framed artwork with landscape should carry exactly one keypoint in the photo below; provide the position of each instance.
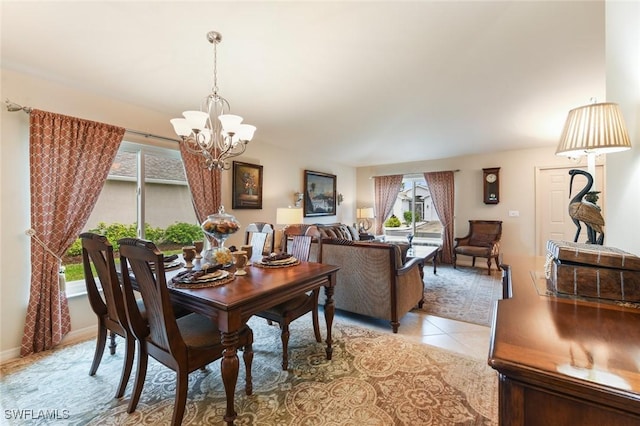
(247, 186)
(319, 194)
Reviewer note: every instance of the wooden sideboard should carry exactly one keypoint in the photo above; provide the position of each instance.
(563, 361)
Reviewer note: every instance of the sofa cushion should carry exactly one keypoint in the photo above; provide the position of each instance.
(355, 236)
(335, 231)
(401, 252)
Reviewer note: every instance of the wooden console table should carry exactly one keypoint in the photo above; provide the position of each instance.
(563, 361)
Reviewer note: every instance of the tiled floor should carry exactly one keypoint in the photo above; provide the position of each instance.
(462, 337)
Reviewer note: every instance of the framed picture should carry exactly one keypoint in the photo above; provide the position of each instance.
(247, 186)
(319, 194)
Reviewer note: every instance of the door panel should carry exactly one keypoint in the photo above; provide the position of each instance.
(552, 201)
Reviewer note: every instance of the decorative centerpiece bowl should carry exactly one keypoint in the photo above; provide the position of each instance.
(219, 227)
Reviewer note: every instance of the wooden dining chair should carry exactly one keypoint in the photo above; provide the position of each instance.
(261, 237)
(292, 309)
(110, 310)
(183, 345)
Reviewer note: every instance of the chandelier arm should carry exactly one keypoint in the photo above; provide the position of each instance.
(206, 136)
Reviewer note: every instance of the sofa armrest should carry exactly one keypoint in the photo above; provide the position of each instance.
(414, 262)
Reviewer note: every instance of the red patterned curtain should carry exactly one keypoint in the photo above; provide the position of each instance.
(386, 189)
(206, 192)
(70, 159)
(441, 186)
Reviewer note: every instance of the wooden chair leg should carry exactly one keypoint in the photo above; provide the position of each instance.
(489, 265)
(100, 343)
(127, 366)
(182, 380)
(113, 344)
(141, 374)
(247, 355)
(314, 316)
(473, 262)
(284, 336)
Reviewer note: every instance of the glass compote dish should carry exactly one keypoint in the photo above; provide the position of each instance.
(219, 227)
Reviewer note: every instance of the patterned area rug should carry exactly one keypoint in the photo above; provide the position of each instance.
(464, 294)
(373, 379)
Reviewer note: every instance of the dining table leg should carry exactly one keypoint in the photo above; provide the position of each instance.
(329, 310)
(230, 366)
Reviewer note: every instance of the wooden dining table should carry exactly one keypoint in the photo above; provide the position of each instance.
(231, 305)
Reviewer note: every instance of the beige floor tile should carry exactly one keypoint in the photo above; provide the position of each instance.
(461, 337)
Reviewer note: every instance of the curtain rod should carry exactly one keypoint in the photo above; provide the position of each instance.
(415, 175)
(14, 107)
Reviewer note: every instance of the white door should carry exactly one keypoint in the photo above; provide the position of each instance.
(552, 201)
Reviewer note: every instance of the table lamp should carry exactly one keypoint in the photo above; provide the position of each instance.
(287, 216)
(364, 216)
(593, 129)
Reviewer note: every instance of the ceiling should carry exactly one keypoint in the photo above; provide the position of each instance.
(370, 82)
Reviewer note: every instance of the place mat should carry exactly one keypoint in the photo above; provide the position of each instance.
(284, 263)
(213, 279)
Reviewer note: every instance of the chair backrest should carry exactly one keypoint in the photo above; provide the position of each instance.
(484, 232)
(261, 237)
(97, 250)
(143, 258)
(300, 247)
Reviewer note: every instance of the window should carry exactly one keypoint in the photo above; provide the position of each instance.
(146, 185)
(416, 214)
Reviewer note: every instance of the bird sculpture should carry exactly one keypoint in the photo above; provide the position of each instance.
(584, 211)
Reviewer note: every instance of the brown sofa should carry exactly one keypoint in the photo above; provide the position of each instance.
(375, 278)
(323, 231)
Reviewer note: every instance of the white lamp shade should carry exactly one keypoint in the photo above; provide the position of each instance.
(196, 119)
(595, 128)
(289, 216)
(245, 132)
(181, 126)
(230, 122)
(365, 213)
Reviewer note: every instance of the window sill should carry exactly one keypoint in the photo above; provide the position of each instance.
(76, 289)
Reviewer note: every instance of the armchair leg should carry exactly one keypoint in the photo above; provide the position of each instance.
(473, 262)
(489, 265)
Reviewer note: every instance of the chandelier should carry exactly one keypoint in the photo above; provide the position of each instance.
(212, 132)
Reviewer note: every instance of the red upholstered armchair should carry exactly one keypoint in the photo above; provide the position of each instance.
(483, 240)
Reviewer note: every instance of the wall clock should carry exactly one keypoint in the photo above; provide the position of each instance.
(491, 185)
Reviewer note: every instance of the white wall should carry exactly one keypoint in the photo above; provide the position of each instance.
(283, 175)
(517, 190)
(623, 87)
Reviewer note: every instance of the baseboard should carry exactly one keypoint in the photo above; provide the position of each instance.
(74, 336)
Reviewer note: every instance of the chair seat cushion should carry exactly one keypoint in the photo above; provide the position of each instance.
(473, 251)
(198, 331)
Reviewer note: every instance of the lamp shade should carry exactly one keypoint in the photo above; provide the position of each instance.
(596, 128)
(288, 216)
(365, 213)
